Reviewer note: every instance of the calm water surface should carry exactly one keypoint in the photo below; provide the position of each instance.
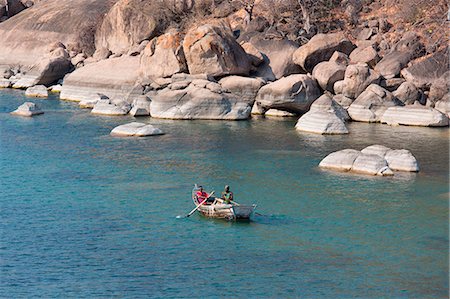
(86, 215)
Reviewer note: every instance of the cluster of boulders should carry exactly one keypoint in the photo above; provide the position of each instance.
(372, 160)
(210, 72)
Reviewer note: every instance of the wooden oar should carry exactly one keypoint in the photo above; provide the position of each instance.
(195, 209)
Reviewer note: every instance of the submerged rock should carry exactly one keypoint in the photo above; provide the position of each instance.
(28, 109)
(38, 91)
(136, 129)
(374, 160)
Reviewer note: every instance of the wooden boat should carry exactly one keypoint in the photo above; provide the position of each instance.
(218, 209)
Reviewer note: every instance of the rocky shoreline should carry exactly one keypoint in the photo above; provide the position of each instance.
(225, 71)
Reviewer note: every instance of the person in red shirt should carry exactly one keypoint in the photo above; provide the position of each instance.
(202, 195)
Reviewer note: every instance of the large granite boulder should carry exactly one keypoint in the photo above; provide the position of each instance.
(294, 93)
(365, 55)
(439, 89)
(255, 56)
(49, 69)
(277, 57)
(113, 108)
(443, 105)
(357, 78)
(212, 49)
(408, 93)
(136, 129)
(321, 122)
(371, 164)
(163, 56)
(127, 24)
(89, 103)
(341, 160)
(114, 77)
(26, 36)
(320, 48)
(376, 149)
(194, 100)
(371, 104)
(329, 72)
(326, 104)
(38, 91)
(401, 160)
(242, 86)
(414, 115)
(423, 71)
(403, 52)
(28, 109)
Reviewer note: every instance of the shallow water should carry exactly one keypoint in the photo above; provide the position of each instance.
(83, 214)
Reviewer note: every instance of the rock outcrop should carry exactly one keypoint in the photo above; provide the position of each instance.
(28, 109)
(136, 129)
(127, 24)
(113, 77)
(38, 91)
(113, 108)
(423, 71)
(329, 72)
(357, 78)
(403, 52)
(294, 93)
(320, 48)
(371, 104)
(163, 56)
(194, 98)
(277, 57)
(414, 115)
(212, 49)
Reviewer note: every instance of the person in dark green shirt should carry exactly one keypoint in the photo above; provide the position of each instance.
(227, 195)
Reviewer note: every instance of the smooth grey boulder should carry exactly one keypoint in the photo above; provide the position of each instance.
(163, 56)
(5, 83)
(136, 129)
(408, 93)
(371, 104)
(371, 164)
(415, 115)
(341, 160)
(195, 102)
(320, 48)
(108, 107)
(401, 160)
(255, 56)
(376, 149)
(329, 72)
(28, 109)
(90, 102)
(38, 91)
(211, 49)
(440, 89)
(321, 122)
(294, 93)
(113, 77)
(403, 52)
(241, 86)
(357, 78)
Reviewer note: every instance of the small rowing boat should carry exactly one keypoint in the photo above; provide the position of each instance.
(218, 209)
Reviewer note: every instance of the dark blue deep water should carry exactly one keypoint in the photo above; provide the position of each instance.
(86, 215)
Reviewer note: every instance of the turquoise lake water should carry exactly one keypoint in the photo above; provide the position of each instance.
(86, 215)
